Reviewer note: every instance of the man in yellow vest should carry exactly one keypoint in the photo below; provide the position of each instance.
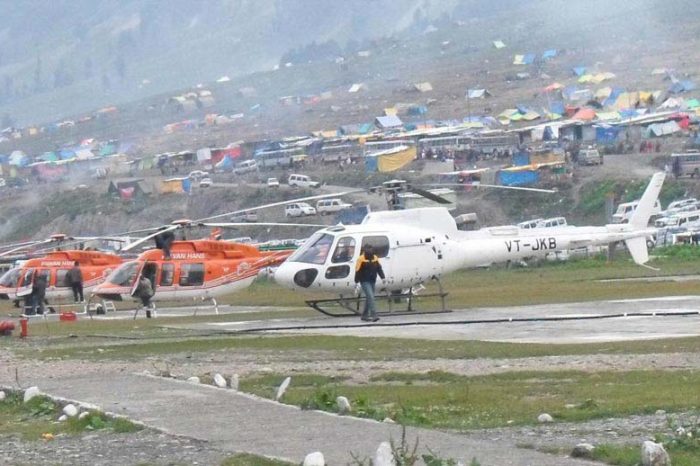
(366, 271)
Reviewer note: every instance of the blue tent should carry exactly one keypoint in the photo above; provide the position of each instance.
(568, 91)
(371, 164)
(521, 158)
(548, 54)
(579, 70)
(410, 126)
(417, 110)
(614, 94)
(187, 184)
(224, 164)
(557, 107)
(606, 134)
(4, 158)
(681, 86)
(66, 154)
(522, 108)
(529, 58)
(518, 178)
(366, 128)
(628, 113)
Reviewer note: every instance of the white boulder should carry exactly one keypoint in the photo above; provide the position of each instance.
(282, 388)
(2, 395)
(83, 415)
(63, 418)
(70, 410)
(314, 459)
(384, 456)
(343, 404)
(30, 393)
(654, 454)
(219, 381)
(234, 382)
(389, 420)
(660, 412)
(194, 379)
(544, 418)
(583, 450)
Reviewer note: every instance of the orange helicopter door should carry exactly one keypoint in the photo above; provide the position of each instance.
(25, 282)
(137, 277)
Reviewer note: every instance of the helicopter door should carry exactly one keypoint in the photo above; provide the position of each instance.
(25, 282)
(382, 249)
(137, 277)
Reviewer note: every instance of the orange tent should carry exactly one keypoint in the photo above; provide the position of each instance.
(553, 87)
(586, 114)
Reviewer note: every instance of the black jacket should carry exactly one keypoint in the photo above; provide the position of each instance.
(367, 270)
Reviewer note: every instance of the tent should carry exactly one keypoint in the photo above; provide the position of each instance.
(608, 116)
(423, 87)
(391, 159)
(224, 164)
(692, 103)
(417, 110)
(663, 129)
(129, 188)
(672, 102)
(606, 134)
(357, 87)
(585, 114)
(549, 54)
(388, 121)
(527, 59)
(176, 185)
(603, 93)
(391, 111)
(579, 70)
(499, 44)
(477, 93)
(517, 177)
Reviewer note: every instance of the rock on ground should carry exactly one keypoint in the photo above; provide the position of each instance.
(219, 381)
(282, 388)
(30, 393)
(384, 456)
(343, 404)
(582, 450)
(654, 454)
(234, 382)
(2, 395)
(314, 459)
(70, 410)
(63, 418)
(194, 379)
(544, 417)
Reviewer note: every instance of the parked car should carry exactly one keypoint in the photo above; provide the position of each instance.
(247, 166)
(331, 206)
(626, 209)
(302, 181)
(198, 175)
(590, 157)
(273, 183)
(299, 209)
(205, 182)
(247, 217)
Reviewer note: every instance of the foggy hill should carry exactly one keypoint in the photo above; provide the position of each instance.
(68, 56)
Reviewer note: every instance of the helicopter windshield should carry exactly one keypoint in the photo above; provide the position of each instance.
(9, 279)
(315, 250)
(125, 274)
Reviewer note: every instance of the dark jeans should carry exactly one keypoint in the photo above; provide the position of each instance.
(77, 291)
(37, 305)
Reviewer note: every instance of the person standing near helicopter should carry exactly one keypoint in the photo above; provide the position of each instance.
(366, 271)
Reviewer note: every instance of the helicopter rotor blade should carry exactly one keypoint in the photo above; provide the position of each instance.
(280, 203)
(263, 224)
(428, 195)
(21, 248)
(140, 241)
(495, 186)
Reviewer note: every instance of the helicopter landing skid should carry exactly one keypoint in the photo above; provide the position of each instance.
(352, 306)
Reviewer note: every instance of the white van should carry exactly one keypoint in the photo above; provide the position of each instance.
(626, 209)
(682, 219)
(248, 166)
(331, 206)
(552, 222)
(302, 181)
(299, 209)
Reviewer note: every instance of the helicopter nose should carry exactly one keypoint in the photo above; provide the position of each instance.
(297, 275)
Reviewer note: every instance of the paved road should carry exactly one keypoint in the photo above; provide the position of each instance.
(662, 317)
(239, 422)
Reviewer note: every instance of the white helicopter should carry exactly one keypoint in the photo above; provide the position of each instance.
(417, 245)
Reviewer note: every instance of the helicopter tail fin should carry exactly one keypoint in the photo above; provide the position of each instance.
(642, 214)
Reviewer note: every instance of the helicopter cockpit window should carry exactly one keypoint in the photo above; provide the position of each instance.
(9, 278)
(166, 274)
(344, 250)
(380, 244)
(315, 250)
(124, 275)
(191, 274)
(62, 278)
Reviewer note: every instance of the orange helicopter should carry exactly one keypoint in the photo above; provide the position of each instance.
(17, 282)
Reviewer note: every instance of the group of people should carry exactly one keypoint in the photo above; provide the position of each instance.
(35, 302)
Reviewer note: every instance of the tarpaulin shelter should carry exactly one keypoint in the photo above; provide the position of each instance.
(692, 103)
(218, 154)
(606, 134)
(681, 86)
(516, 176)
(549, 54)
(554, 87)
(557, 107)
(391, 159)
(499, 44)
(417, 110)
(672, 102)
(584, 114)
(579, 70)
(129, 188)
(526, 59)
(663, 129)
(388, 121)
(49, 170)
(608, 116)
(423, 87)
(176, 185)
(391, 111)
(357, 87)
(225, 164)
(49, 157)
(18, 158)
(477, 93)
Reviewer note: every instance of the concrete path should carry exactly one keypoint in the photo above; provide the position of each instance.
(237, 422)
